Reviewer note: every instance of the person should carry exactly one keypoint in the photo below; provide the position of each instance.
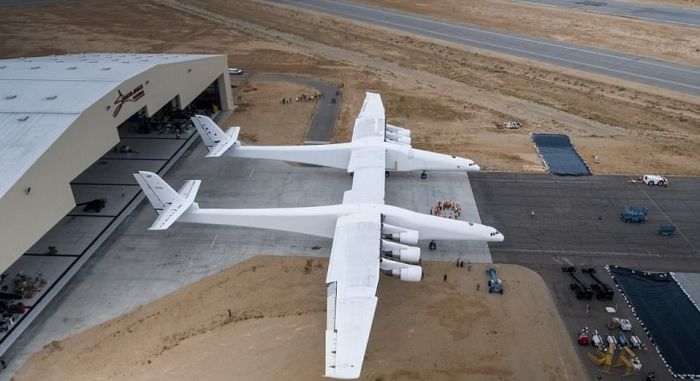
(444, 277)
(469, 264)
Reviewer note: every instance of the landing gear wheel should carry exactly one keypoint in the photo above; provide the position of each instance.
(432, 245)
(424, 175)
(386, 173)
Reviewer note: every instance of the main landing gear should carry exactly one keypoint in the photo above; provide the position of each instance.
(424, 175)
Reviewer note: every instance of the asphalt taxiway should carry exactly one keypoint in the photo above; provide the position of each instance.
(685, 16)
(576, 220)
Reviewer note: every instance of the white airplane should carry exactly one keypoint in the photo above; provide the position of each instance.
(369, 237)
(395, 141)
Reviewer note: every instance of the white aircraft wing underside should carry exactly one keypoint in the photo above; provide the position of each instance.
(353, 275)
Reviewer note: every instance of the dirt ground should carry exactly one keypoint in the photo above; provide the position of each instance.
(667, 42)
(444, 330)
(264, 120)
(453, 98)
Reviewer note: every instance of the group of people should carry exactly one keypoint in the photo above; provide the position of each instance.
(304, 98)
(447, 209)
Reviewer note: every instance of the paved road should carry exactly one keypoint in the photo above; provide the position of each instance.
(685, 16)
(577, 220)
(11, 3)
(681, 78)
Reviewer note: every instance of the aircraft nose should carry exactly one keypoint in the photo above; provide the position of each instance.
(496, 236)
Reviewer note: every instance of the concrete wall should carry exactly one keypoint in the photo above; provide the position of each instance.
(24, 218)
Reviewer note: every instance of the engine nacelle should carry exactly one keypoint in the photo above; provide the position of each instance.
(409, 273)
(401, 252)
(407, 236)
(405, 140)
(398, 130)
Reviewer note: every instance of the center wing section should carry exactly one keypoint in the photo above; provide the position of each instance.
(353, 275)
(368, 166)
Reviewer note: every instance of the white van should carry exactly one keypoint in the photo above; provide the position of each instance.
(655, 180)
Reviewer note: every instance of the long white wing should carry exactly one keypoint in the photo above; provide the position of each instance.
(353, 274)
(353, 271)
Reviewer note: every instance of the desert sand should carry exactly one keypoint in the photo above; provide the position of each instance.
(432, 330)
(264, 120)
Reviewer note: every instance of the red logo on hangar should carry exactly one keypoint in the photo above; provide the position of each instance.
(132, 96)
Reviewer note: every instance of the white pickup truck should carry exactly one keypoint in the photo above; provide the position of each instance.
(655, 180)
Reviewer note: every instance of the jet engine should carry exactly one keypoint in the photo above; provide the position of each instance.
(405, 140)
(398, 130)
(409, 273)
(401, 252)
(406, 236)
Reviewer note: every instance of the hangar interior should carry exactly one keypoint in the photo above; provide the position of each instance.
(94, 119)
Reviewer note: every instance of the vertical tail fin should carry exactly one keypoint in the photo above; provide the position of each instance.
(216, 140)
(169, 205)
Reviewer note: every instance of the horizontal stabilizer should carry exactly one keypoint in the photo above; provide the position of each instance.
(216, 140)
(169, 205)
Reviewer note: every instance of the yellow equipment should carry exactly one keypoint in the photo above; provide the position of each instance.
(629, 360)
(604, 359)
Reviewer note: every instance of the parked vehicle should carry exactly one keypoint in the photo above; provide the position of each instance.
(655, 180)
(667, 229)
(634, 214)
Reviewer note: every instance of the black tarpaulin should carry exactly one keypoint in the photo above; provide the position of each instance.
(668, 316)
(559, 155)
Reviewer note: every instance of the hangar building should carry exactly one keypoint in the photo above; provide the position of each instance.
(64, 124)
(60, 114)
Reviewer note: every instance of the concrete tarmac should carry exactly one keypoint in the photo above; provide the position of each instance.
(645, 71)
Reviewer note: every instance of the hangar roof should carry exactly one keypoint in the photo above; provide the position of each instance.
(40, 97)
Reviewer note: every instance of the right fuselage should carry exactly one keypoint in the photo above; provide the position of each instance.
(405, 158)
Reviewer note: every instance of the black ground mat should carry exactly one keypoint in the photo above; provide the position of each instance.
(667, 315)
(559, 155)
